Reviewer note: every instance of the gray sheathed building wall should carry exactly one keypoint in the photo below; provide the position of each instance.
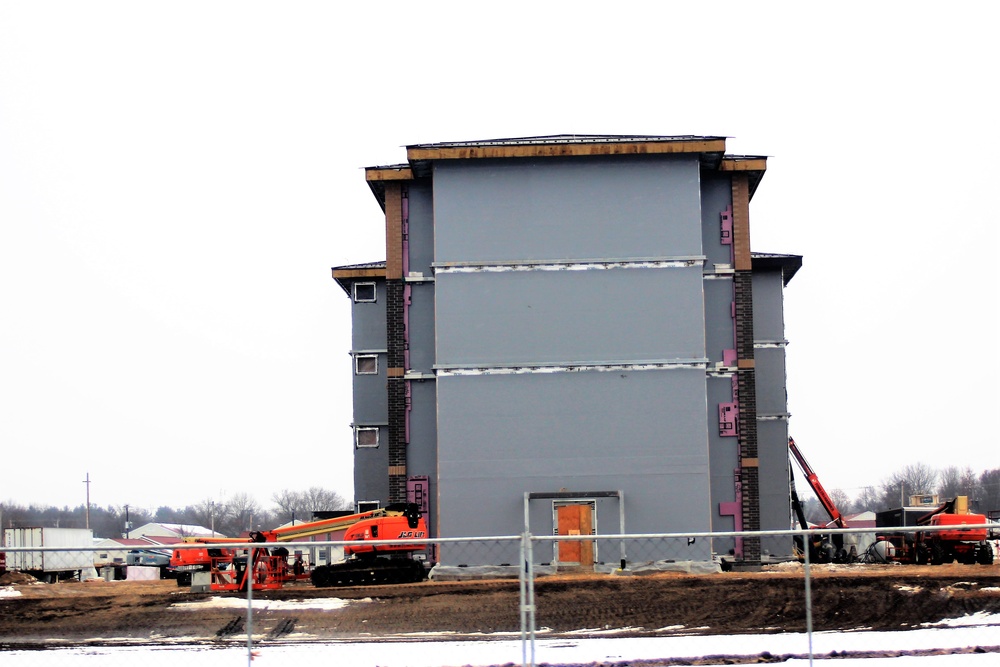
(570, 344)
(368, 336)
(566, 209)
(421, 450)
(772, 406)
(716, 195)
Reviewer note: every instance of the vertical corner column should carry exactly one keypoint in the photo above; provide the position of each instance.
(746, 375)
(395, 339)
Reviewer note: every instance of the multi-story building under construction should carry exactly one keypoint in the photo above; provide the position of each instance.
(573, 329)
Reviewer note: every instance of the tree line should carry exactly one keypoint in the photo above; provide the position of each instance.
(241, 512)
(982, 489)
(235, 515)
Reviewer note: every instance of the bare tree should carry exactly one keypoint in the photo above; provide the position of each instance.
(869, 500)
(301, 504)
(842, 501)
(207, 514)
(813, 511)
(918, 478)
(14, 515)
(240, 513)
(949, 482)
(289, 505)
(989, 488)
(914, 479)
(970, 484)
(324, 500)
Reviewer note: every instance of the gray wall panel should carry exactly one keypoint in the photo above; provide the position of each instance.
(718, 318)
(576, 208)
(716, 195)
(421, 227)
(770, 381)
(775, 498)
(421, 454)
(772, 434)
(723, 452)
(368, 327)
(421, 327)
(370, 465)
(569, 316)
(371, 401)
(768, 310)
(641, 432)
(421, 451)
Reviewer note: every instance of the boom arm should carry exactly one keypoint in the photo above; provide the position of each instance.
(301, 530)
(824, 497)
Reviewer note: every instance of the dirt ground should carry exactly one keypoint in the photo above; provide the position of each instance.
(879, 597)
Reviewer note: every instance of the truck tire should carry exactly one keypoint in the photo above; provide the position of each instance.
(937, 553)
(985, 554)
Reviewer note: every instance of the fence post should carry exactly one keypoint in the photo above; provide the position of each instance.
(249, 573)
(531, 598)
(806, 542)
(523, 585)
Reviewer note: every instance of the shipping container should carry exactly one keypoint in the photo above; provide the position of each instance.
(49, 565)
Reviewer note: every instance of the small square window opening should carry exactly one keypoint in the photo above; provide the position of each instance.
(366, 364)
(364, 292)
(365, 437)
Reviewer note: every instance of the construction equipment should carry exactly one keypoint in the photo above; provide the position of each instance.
(822, 548)
(185, 562)
(952, 543)
(377, 564)
(231, 569)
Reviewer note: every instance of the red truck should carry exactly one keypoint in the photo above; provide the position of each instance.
(954, 542)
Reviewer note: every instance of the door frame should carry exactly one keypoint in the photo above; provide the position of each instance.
(578, 496)
(556, 504)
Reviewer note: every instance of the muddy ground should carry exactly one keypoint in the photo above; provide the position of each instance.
(886, 597)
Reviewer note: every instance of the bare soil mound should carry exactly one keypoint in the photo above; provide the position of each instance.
(843, 597)
(11, 578)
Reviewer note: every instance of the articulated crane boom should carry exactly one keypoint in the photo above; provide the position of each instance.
(811, 477)
(829, 548)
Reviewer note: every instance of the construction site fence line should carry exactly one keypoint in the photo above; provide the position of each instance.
(795, 532)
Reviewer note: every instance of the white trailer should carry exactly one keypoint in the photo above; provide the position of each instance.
(49, 565)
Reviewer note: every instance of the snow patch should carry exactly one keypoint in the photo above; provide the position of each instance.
(9, 592)
(328, 604)
(602, 631)
(780, 567)
(980, 618)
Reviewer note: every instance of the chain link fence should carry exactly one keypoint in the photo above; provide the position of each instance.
(535, 587)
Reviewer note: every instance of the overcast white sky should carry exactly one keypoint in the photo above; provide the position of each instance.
(177, 179)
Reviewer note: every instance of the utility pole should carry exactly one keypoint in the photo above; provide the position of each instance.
(211, 514)
(87, 482)
(127, 524)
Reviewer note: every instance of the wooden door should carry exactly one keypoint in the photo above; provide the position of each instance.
(575, 519)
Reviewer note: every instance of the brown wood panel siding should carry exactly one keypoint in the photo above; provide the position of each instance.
(394, 231)
(741, 222)
(376, 174)
(730, 163)
(562, 150)
(358, 273)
